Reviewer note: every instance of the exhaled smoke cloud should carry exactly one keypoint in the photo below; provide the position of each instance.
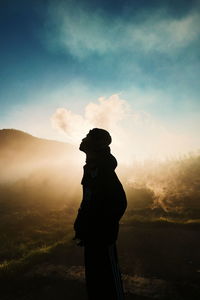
(69, 122)
(135, 134)
(105, 114)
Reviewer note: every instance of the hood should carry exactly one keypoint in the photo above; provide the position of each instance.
(108, 162)
(103, 158)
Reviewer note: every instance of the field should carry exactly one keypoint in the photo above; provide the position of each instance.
(40, 193)
(159, 257)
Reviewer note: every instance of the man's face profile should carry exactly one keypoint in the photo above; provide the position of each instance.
(95, 140)
(86, 143)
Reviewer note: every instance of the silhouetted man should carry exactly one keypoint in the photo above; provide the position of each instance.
(97, 223)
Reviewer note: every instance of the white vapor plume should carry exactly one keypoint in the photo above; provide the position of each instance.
(68, 122)
(105, 114)
(135, 134)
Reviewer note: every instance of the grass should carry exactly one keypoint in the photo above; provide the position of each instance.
(161, 221)
(24, 231)
(163, 247)
(34, 257)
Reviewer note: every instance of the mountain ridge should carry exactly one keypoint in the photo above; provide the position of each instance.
(21, 141)
(22, 154)
(12, 132)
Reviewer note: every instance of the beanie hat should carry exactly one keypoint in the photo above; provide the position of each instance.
(101, 137)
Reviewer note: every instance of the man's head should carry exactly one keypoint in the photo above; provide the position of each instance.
(96, 140)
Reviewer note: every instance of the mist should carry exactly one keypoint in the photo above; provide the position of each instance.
(48, 174)
(40, 193)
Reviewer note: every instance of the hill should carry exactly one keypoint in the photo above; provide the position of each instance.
(35, 169)
(17, 146)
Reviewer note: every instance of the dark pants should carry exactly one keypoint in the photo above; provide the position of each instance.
(103, 277)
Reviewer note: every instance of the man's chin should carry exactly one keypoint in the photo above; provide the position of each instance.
(82, 148)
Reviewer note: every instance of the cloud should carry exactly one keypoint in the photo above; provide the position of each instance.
(135, 134)
(83, 32)
(105, 114)
(166, 34)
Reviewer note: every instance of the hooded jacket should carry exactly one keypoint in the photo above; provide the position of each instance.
(104, 201)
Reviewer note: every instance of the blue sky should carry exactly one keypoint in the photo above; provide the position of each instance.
(66, 54)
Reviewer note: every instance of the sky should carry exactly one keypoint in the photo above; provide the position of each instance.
(131, 67)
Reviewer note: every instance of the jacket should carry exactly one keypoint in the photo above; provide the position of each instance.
(103, 204)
